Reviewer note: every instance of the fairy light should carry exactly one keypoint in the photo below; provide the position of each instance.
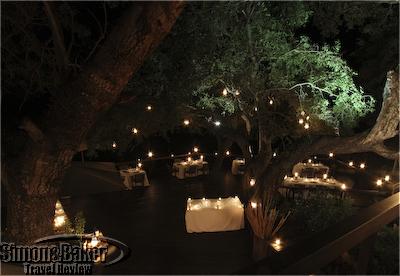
(253, 205)
(186, 122)
(135, 130)
(306, 125)
(114, 145)
(215, 153)
(150, 154)
(225, 92)
(302, 113)
(379, 182)
(309, 161)
(301, 121)
(237, 93)
(331, 154)
(217, 123)
(308, 118)
(362, 166)
(139, 165)
(271, 102)
(296, 174)
(274, 155)
(195, 149)
(387, 177)
(172, 155)
(325, 176)
(343, 187)
(227, 152)
(252, 182)
(149, 108)
(351, 163)
(255, 108)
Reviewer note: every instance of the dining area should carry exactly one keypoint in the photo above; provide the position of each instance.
(190, 167)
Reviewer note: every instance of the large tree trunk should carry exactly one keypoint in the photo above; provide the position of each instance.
(32, 178)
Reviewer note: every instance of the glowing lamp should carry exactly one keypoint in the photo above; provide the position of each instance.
(252, 182)
(362, 166)
(253, 205)
(150, 154)
(387, 177)
(186, 122)
(379, 182)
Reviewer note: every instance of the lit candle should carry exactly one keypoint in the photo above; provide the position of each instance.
(387, 177)
(150, 154)
(351, 163)
(379, 182)
(135, 130)
(252, 182)
(362, 166)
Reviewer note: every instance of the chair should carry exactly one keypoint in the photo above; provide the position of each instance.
(138, 179)
(191, 171)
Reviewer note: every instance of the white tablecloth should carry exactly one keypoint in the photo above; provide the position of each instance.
(236, 163)
(214, 215)
(128, 176)
(316, 166)
(182, 166)
(313, 182)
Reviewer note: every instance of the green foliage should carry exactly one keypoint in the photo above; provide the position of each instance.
(385, 260)
(320, 212)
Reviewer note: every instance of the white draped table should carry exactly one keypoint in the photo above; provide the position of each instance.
(129, 177)
(236, 163)
(214, 215)
(182, 166)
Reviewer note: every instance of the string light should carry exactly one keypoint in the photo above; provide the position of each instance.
(301, 121)
(237, 93)
(331, 154)
(225, 92)
(186, 122)
(306, 125)
(217, 123)
(150, 154)
(274, 155)
(308, 118)
(302, 113)
(227, 152)
(252, 182)
(387, 178)
(309, 160)
(253, 205)
(351, 163)
(215, 153)
(149, 108)
(325, 176)
(271, 102)
(114, 145)
(362, 166)
(379, 182)
(135, 130)
(139, 165)
(343, 187)
(195, 149)
(255, 108)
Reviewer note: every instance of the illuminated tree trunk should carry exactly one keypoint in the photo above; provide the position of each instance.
(32, 178)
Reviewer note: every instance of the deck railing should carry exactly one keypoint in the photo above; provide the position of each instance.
(312, 254)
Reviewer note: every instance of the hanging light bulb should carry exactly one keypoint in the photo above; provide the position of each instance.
(253, 205)
(351, 163)
(150, 154)
(225, 92)
(306, 125)
(271, 102)
(227, 152)
(217, 123)
(252, 182)
(186, 122)
(195, 149)
(362, 166)
(331, 154)
(379, 182)
(301, 121)
(149, 108)
(387, 177)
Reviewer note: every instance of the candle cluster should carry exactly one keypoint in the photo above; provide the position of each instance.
(218, 204)
(304, 120)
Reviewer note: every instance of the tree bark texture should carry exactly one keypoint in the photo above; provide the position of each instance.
(33, 177)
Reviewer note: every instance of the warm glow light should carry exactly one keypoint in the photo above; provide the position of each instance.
(308, 118)
(189, 199)
(285, 177)
(253, 205)
(225, 92)
(362, 166)
(252, 182)
(227, 152)
(59, 221)
(306, 125)
(271, 102)
(195, 149)
(172, 155)
(237, 93)
(149, 107)
(315, 157)
(302, 113)
(114, 145)
(309, 160)
(201, 157)
(186, 122)
(204, 198)
(343, 187)
(277, 241)
(325, 175)
(217, 123)
(331, 154)
(387, 177)
(301, 121)
(150, 154)
(379, 182)
(255, 108)
(274, 155)
(189, 159)
(215, 153)
(135, 130)
(351, 163)
(139, 165)
(296, 174)
(94, 242)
